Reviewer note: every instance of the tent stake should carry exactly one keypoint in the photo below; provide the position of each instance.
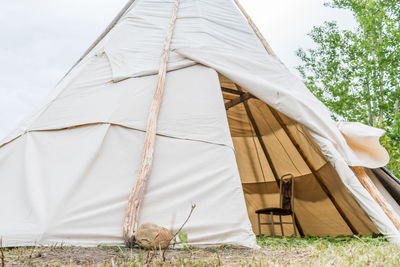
(137, 194)
(376, 195)
(314, 171)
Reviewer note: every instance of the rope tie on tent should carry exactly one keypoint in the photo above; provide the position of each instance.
(137, 194)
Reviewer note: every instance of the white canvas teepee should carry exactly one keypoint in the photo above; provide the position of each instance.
(67, 171)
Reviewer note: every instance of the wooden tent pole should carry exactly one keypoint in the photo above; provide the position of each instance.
(237, 100)
(376, 195)
(257, 31)
(313, 170)
(259, 137)
(101, 37)
(137, 194)
(231, 91)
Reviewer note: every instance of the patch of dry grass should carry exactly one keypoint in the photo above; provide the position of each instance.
(309, 251)
(339, 251)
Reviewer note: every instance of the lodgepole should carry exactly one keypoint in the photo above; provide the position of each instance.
(376, 195)
(257, 31)
(101, 37)
(137, 194)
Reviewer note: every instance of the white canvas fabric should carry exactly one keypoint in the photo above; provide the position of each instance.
(200, 23)
(271, 82)
(70, 166)
(72, 185)
(364, 142)
(79, 197)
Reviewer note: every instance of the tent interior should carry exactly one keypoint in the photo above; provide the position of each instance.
(322, 206)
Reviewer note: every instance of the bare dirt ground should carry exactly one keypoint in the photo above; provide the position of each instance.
(309, 251)
(114, 256)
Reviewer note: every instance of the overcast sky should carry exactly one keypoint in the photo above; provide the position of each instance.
(41, 39)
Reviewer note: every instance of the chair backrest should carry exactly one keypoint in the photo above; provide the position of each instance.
(287, 192)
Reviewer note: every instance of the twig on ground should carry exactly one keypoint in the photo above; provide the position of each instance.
(149, 259)
(32, 250)
(177, 232)
(187, 219)
(219, 259)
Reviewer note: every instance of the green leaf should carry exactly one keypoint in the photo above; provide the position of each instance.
(183, 237)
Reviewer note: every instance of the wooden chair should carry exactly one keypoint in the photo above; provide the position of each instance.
(286, 206)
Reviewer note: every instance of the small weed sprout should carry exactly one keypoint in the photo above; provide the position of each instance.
(183, 238)
(180, 234)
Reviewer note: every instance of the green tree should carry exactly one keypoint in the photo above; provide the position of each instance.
(356, 73)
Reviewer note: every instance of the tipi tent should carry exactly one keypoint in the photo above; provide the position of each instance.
(232, 121)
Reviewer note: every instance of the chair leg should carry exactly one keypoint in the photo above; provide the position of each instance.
(259, 224)
(280, 219)
(294, 225)
(272, 224)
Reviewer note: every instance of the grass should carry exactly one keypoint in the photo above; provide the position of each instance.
(275, 251)
(339, 251)
(296, 242)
